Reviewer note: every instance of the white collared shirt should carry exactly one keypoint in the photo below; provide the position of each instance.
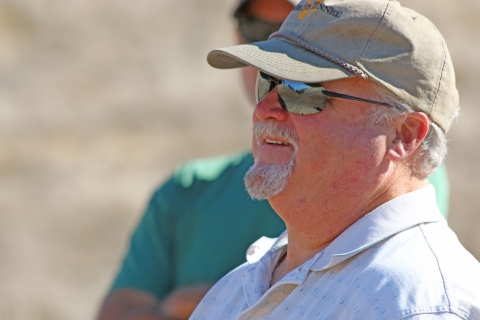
(400, 261)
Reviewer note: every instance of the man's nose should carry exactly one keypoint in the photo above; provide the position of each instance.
(270, 109)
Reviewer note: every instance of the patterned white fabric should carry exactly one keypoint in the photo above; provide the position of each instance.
(400, 261)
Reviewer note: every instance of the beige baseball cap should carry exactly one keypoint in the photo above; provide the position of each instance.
(323, 40)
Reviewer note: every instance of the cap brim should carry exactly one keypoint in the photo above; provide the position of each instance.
(280, 59)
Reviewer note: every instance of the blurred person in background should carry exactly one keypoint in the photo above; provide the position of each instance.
(200, 222)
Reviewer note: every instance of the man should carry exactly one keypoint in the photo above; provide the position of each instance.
(354, 100)
(200, 222)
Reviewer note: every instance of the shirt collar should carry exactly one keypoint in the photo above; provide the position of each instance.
(263, 245)
(388, 219)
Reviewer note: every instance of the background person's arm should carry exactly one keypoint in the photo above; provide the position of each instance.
(181, 303)
(128, 304)
(146, 274)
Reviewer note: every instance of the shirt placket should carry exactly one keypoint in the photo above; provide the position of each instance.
(264, 306)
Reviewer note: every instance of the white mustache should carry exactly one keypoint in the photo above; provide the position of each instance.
(273, 129)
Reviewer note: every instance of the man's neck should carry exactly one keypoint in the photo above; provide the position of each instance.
(312, 226)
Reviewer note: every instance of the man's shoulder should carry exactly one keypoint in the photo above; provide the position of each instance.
(421, 270)
(433, 253)
(459, 269)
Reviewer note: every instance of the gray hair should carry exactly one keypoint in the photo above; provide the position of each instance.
(432, 150)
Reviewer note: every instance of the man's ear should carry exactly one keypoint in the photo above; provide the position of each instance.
(409, 135)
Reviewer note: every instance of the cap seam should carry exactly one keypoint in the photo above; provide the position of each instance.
(440, 78)
(296, 40)
(360, 56)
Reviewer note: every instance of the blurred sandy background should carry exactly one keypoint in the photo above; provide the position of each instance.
(100, 100)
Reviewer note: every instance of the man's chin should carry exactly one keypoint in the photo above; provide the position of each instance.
(264, 181)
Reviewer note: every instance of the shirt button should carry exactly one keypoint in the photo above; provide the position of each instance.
(251, 250)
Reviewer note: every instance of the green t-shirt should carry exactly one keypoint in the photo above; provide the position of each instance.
(199, 224)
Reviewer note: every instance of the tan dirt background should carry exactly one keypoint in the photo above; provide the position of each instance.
(100, 100)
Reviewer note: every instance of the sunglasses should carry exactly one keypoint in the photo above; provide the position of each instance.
(300, 98)
(254, 29)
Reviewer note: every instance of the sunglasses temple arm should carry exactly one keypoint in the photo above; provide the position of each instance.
(344, 96)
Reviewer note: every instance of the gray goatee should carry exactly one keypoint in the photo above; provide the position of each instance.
(268, 181)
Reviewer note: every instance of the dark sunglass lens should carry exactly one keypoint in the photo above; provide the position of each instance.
(263, 86)
(301, 98)
(254, 30)
(295, 97)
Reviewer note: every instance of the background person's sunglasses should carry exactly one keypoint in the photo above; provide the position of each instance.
(254, 29)
(298, 97)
